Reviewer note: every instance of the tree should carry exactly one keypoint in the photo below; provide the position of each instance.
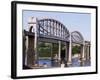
(75, 49)
(44, 49)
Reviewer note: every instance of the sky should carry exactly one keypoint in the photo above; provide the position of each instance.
(73, 21)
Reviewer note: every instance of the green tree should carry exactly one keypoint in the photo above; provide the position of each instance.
(75, 49)
(44, 49)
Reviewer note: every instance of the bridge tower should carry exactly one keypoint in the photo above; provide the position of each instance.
(32, 42)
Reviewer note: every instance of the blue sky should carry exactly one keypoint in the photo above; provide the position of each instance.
(73, 21)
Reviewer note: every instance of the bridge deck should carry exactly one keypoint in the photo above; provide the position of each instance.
(47, 38)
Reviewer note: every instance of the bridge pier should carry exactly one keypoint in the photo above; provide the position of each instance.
(66, 51)
(59, 51)
(88, 52)
(83, 51)
(26, 49)
(30, 52)
(31, 43)
(36, 47)
(70, 51)
(30, 55)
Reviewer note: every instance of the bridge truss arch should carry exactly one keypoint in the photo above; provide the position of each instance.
(53, 29)
(77, 37)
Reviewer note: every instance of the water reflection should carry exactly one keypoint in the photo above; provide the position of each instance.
(75, 63)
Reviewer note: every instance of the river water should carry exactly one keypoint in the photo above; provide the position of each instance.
(75, 63)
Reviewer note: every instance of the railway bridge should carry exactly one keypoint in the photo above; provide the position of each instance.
(52, 31)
